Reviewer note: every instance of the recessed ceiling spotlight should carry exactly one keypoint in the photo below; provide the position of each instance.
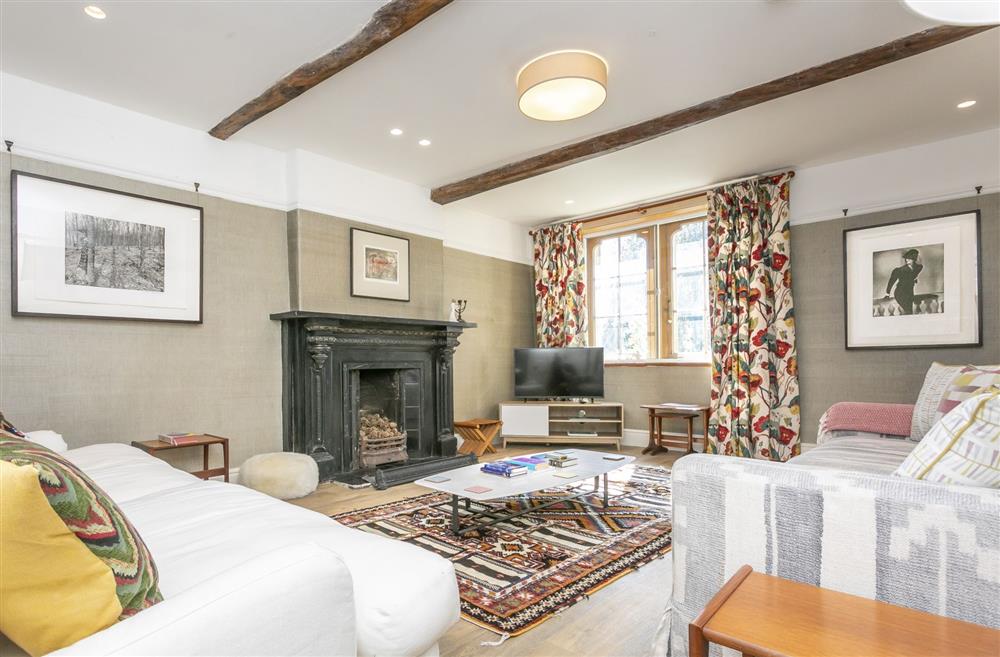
(965, 104)
(95, 12)
(562, 85)
(395, 132)
(569, 201)
(424, 142)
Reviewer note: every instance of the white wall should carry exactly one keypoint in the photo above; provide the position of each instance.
(339, 189)
(937, 171)
(58, 126)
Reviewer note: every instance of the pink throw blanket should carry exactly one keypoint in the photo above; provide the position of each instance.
(893, 419)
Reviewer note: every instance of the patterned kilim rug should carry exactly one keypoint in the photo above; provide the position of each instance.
(516, 574)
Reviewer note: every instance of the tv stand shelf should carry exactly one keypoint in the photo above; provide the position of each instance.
(554, 422)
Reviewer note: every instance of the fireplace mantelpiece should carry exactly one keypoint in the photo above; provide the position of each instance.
(322, 355)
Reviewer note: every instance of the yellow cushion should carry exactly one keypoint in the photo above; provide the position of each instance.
(53, 590)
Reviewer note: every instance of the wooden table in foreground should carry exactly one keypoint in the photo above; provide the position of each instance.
(765, 616)
(205, 441)
(689, 412)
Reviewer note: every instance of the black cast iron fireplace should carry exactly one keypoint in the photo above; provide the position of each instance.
(370, 395)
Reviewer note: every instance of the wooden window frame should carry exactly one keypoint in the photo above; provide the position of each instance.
(665, 270)
(660, 283)
(652, 329)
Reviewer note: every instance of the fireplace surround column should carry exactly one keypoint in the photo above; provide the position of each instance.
(445, 397)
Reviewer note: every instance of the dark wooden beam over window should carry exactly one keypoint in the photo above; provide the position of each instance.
(390, 21)
(610, 142)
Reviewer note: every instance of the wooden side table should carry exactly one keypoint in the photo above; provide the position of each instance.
(477, 435)
(204, 441)
(657, 442)
(764, 616)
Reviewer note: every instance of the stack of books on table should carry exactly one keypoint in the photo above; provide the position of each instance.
(533, 463)
(505, 468)
(178, 439)
(561, 460)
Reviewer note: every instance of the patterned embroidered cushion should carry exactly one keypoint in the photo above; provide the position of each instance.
(95, 519)
(5, 425)
(963, 448)
(935, 386)
(965, 384)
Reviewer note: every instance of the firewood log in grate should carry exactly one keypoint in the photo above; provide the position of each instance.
(382, 441)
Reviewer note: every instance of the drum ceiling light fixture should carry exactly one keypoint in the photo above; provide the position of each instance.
(562, 85)
(957, 12)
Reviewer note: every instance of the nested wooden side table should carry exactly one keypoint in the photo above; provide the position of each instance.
(657, 441)
(764, 616)
(204, 441)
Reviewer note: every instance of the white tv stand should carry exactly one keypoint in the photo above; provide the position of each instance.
(555, 422)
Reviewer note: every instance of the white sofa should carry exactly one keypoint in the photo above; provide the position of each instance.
(244, 574)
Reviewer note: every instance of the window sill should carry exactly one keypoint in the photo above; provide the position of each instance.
(659, 362)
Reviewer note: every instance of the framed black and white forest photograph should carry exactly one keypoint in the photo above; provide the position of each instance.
(84, 251)
(914, 283)
(380, 266)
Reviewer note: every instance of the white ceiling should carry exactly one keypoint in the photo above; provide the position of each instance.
(898, 105)
(187, 61)
(451, 80)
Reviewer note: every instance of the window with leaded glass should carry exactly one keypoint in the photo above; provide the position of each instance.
(648, 292)
(622, 290)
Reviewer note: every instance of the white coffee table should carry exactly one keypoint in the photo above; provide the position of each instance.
(589, 464)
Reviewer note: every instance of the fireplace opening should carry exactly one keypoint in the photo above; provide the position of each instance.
(381, 422)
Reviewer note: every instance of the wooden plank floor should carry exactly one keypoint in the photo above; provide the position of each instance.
(620, 620)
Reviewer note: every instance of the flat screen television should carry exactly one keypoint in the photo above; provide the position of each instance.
(559, 372)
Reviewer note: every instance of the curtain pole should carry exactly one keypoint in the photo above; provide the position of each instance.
(668, 199)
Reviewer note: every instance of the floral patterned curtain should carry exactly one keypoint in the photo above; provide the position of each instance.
(755, 387)
(560, 286)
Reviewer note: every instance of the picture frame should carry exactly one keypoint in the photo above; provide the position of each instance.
(914, 284)
(380, 266)
(83, 251)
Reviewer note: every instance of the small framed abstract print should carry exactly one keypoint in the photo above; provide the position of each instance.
(914, 283)
(84, 251)
(380, 266)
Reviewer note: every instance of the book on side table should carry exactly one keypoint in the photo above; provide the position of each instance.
(179, 439)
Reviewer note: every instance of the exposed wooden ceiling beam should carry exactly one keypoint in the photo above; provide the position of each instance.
(615, 140)
(391, 20)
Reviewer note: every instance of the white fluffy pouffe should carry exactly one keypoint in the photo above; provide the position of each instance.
(284, 475)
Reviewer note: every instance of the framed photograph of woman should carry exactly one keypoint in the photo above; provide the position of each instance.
(914, 283)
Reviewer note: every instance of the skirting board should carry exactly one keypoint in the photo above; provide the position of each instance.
(234, 476)
(631, 437)
(640, 437)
